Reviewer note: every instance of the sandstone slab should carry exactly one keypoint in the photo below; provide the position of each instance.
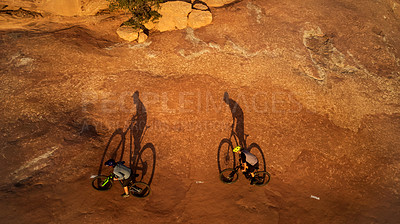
(128, 33)
(199, 18)
(217, 3)
(174, 16)
(59, 7)
(142, 37)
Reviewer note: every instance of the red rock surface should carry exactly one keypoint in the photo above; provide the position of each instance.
(318, 83)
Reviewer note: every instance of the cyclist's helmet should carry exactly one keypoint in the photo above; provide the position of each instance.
(236, 149)
(110, 162)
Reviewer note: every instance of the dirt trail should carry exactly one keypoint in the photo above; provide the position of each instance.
(318, 84)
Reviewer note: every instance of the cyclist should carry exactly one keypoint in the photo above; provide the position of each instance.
(237, 115)
(122, 173)
(249, 163)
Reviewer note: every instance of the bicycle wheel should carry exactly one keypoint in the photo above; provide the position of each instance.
(115, 146)
(99, 183)
(229, 176)
(262, 178)
(140, 189)
(225, 157)
(145, 164)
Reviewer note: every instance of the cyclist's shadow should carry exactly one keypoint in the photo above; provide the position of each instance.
(142, 160)
(238, 119)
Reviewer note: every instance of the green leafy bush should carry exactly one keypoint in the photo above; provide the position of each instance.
(142, 11)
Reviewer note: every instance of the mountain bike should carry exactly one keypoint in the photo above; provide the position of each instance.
(137, 189)
(228, 164)
(230, 176)
(141, 161)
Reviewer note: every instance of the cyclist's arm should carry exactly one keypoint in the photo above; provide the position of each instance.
(118, 176)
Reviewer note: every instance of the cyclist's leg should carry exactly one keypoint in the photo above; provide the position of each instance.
(251, 169)
(245, 170)
(125, 184)
(244, 167)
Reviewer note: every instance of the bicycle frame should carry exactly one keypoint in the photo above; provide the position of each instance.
(110, 177)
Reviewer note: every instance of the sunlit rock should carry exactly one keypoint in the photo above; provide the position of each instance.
(200, 5)
(142, 37)
(199, 18)
(63, 7)
(60, 7)
(217, 3)
(174, 16)
(128, 33)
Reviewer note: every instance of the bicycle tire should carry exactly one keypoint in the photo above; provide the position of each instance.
(226, 157)
(142, 164)
(264, 175)
(226, 176)
(99, 180)
(144, 192)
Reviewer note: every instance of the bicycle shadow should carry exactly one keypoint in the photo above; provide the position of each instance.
(142, 160)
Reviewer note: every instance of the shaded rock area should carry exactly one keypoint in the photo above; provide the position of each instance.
(20, 13)
(318, 83)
